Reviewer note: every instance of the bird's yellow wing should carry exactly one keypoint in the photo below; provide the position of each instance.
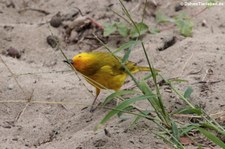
(108, 77)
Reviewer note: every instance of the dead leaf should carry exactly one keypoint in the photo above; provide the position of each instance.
(185, 140)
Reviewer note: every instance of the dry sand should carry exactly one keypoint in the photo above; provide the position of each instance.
(47, 125)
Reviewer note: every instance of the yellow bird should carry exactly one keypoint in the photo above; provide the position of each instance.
(103, 70)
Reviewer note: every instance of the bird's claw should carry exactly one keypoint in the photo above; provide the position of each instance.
(93, 109)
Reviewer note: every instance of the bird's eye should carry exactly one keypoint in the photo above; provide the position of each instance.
(79, 56)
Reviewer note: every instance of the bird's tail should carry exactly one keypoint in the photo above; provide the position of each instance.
(142, 68)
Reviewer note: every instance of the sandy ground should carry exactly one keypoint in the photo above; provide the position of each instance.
(50, 125)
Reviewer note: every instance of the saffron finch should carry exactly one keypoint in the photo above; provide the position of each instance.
(103, 70)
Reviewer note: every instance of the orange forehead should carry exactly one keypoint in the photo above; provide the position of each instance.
(80, 61)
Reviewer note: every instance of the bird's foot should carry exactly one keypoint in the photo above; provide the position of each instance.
(93, 109)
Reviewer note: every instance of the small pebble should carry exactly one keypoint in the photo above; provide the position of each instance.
(204, 23)
(15, 139)
(10, 4)
(178, 7)
(107, 132)
(73, 36)
(7, 126)
(8, 27)
(12, 52)
(99, 143)
(52, 41)
(10, 86)
(56, 20)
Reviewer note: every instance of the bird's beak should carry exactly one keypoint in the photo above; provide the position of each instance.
(69, 61)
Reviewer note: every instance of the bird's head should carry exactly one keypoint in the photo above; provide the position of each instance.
(83, 62)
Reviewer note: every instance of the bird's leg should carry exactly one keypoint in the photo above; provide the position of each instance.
(92, 106)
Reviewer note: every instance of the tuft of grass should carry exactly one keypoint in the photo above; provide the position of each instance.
(169, 129)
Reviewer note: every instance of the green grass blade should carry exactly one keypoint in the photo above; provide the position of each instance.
(188, 110)
(186, 129)
(156, 103)
(147, 91)
(117, 94)
(167, 140)
(211, 137)
(187, 93)
(213, 127)
(122, 106)
(125, 110)
(137, 118)
(177, 80)
(126, 55)
(148, 76)
(131, 43)
(175, 133)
